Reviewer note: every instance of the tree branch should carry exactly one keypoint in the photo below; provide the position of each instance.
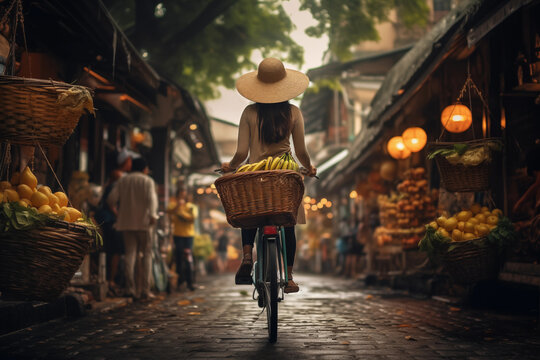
(206, 17)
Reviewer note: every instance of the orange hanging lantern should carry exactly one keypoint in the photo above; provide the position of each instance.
(397, 149)
(456, 118)
(414, 138)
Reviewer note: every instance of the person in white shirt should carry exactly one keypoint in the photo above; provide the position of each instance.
(135, 197)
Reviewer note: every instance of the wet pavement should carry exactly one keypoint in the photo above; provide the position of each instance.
(331, 318)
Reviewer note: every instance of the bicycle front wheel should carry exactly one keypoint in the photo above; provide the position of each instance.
(271, 289)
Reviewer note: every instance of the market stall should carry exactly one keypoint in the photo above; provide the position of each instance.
(43, 237)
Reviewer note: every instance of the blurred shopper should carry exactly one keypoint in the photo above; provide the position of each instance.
(106, 217)
(134, 196)
(222, 245)
(183, 214)
(114, 244)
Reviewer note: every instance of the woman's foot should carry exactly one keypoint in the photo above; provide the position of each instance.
(291, 287)
(243, 275)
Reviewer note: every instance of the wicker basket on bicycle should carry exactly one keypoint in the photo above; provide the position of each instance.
(253, 199)
(40, 110)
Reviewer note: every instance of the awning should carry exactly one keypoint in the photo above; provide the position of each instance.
(406, 78)
(479, 31)
(84, 32)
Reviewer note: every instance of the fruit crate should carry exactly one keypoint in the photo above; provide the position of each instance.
(253, 199)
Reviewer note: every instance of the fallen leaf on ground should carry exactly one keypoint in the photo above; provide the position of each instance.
(184, 302)
(146, 330)
(488, 339)
(454, 308)
(400, 312)
(410, 338)
(404, 325)
(194, 313)
(345, 342)
(244, 293)
(369, 297)
(198, 300)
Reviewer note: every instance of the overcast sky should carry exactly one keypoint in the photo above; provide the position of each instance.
(229, 107)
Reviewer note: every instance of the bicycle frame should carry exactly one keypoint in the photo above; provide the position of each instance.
(258, 271)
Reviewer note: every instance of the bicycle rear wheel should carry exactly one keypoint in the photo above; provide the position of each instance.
(271, 288)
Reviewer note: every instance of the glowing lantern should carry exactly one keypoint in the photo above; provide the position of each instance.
(456, 118)
(397, 149)
(414, 138)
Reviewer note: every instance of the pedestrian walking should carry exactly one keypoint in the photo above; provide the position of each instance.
(222, 245)
(183, 214)
(264, 130)
(134, 197)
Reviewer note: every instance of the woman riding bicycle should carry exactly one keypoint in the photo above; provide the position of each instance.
(264, 130)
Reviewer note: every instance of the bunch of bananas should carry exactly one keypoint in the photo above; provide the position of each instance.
(283, 162)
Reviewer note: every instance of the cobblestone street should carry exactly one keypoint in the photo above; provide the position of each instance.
(330, 318)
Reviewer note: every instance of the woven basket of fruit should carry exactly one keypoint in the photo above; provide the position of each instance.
(267, 195)
(471, 261)
(470, 243)
(42, 240)
(465, 166)
(45, 111)
(38, 263)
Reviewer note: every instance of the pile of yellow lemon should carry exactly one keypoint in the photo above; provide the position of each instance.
(23, 188)
(468, 224)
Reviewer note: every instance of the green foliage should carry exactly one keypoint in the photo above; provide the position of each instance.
(325, 83)
(349, 22)
(433, 243)
(503, 235)
(436, 245)
(203, 60)
(16, 217)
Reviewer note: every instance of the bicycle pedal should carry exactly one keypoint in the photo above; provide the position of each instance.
(243, 280)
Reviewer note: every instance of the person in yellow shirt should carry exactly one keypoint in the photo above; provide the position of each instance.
(183, 214)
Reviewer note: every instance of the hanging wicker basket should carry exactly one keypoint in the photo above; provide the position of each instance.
(40, 110)
(258, 198)
(38, 264)
(459, 177)
(472, 261)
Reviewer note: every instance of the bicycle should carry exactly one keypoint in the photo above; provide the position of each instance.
(269, 273)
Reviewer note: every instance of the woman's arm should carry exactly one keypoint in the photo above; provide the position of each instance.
(242, 146)
(300, 144)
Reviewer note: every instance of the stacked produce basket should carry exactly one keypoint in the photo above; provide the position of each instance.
(43, 240)
(403, 214)
(470, 242)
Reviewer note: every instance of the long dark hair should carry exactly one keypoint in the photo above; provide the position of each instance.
(274, 121)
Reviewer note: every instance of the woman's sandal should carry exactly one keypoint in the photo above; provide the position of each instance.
(243, 275)
(291, 287)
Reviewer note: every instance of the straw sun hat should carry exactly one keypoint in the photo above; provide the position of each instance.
(272, 83)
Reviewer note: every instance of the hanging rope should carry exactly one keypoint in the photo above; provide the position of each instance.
(467, 88)
(52, 170)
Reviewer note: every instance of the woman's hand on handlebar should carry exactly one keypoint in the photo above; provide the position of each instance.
(312, 171)
(226, 167)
